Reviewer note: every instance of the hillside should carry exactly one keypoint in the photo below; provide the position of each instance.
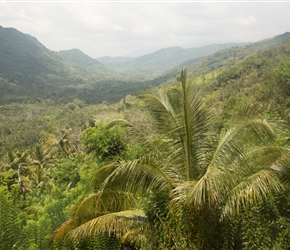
(23, 58)
(244, 79)
(160, 62)
(22, 54)
(229, 78)
(230, 56)
(29, 72)
(83, 61)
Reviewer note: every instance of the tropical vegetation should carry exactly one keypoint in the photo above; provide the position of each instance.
(198, 162)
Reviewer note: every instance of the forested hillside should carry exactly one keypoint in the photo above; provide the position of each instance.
(199, 160)
(29, 72)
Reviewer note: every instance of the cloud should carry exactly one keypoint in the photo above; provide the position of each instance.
(118, 28)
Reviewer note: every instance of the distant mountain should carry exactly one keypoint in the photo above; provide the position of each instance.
(141, 52)
(24, 60)
(23, 54)
(167, 60)
(114, 62)
(161, 61)
(80, 59)
(30, 72)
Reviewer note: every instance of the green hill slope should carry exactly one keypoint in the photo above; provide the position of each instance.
(230, 56)
(83, 61)
(29, 72)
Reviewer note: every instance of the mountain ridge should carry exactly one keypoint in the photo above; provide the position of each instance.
(29, 70)
(160, 61)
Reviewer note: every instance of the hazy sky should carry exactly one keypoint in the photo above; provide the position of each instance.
(118, 28)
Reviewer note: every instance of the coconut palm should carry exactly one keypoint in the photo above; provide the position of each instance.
(190, 179)
(63, 139)
(17, 165)
(41, 163)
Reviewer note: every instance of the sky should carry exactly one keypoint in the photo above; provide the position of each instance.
(122, 28)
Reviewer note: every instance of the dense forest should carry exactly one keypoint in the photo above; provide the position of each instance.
(94, 158)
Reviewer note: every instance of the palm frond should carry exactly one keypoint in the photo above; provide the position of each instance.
(59, 234)
(282, 167)
(118, 122)
(102, 202)
(139, 176)
(236, 157)
(119, 224)
(101, 174)
(240, 139)
(183, 121)
(259, 158)
(159, 104)
(180, 193)
(248, 111)
(207, 190)
(252, 191)
(196, 120)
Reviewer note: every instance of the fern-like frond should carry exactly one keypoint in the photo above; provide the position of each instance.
(33, 209)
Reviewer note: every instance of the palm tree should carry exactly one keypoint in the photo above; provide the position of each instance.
(191, 178)
(17, 164)
(41, 163)
(63, 139)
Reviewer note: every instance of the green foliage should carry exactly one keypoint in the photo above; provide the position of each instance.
(267, 226)
(279, 86)
(45, 168)
(189, 184)
(282, 77)
(167, 235)
(104, 142)
(10, 223)
(66, 173)
(101, 242)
